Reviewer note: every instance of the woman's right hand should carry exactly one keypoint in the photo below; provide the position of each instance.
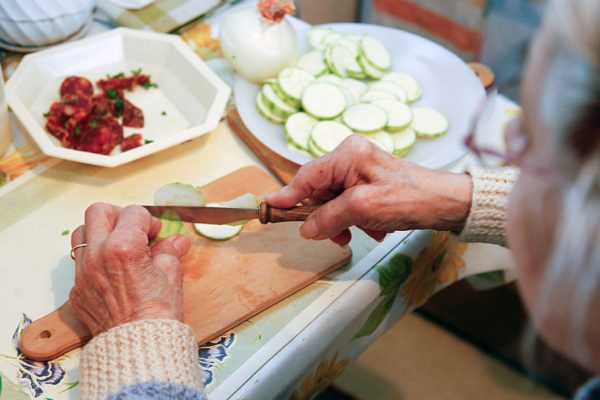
(362, 185)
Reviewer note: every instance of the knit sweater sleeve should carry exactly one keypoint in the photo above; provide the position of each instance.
(147, 359)
(487, 218)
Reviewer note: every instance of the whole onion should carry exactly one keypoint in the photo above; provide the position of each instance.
(258, 41)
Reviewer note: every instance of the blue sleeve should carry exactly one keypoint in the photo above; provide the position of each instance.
(157, 390)
(590, 391)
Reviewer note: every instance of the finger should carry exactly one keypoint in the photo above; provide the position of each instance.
(377, 235)
(315, 176)
(136, 222)
(323, 195)
(311, 202)
(177, 246)
(77, 238)
(343, 238)
(154, 228)
(100, 220)
(332, 218)
(170, 266)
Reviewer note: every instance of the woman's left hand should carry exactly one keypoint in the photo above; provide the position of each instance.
(119, 277)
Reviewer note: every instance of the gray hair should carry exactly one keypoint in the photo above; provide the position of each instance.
(571, 108)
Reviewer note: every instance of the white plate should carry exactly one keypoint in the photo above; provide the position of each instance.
(189, 92)
(449, 85)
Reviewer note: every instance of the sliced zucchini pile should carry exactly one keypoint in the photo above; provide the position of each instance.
(345, 86)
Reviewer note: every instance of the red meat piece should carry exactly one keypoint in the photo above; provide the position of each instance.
(132, 141)
(56, 123)
(76, 105)
(133, 117)
(76, 86)
(123, 83)
(100, 135)
(103, 106)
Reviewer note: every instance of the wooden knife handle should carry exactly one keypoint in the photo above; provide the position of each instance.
(268, 214)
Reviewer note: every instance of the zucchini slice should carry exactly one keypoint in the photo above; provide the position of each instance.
(411, 86)
(179, 194)
(298, 128)
(383, 140)
(323, 100)
(399, 114)
(365, 118)
(265, 112)
(275, 104)
(313, 63)
(316, 35)
(376, 53)
(372, 95)
(404, 141)
(429, 123)
(327, 135)
(370, 71)
(391, 87)
(356, 87)
(292, 82)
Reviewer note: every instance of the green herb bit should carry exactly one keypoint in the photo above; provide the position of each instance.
(119, 75)
(93, 123)
(119, 106)
(136, 71)
(163, 113)
(65, 232)
(77, 131)
(112, 94)
(149, 85)
(71, 101)
(46, 114)
(148, 141)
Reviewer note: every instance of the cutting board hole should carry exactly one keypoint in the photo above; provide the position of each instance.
(46, 334)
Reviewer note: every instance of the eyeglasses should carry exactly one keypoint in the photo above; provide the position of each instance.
(509, 148)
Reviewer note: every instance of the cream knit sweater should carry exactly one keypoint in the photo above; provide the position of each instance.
(487, 218)
(142, 357)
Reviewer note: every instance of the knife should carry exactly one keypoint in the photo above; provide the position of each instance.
(222, 215)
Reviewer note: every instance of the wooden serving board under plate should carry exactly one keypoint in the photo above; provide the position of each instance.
(225, 282)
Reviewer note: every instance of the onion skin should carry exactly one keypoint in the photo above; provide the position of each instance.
(256, 48)
(276, 10)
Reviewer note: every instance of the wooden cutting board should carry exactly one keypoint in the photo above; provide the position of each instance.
(225, 282)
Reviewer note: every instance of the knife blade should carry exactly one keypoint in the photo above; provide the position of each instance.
(224, 215)
(204, 215)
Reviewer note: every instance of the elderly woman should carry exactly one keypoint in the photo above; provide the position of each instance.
(129, 293)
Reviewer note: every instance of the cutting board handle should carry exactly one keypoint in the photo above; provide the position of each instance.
(54, 335)
(268, 214)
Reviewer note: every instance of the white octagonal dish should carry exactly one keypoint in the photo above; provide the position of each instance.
(188, 102)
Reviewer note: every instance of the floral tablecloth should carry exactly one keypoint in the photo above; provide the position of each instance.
(292, 350)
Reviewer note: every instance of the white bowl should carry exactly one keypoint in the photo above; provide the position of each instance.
(188, 102)
(42, 22)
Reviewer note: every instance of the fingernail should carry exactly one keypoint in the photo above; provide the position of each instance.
(309, 230)
(181, 244)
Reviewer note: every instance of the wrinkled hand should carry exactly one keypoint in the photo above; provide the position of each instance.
(119, 278)
(362, 185)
